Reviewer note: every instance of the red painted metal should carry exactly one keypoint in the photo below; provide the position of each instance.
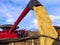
(25, 11)
(8, 35)
(24, 32)
(4, 33)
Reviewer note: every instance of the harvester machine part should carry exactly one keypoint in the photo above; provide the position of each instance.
(7, 26)
(23, 14)
(34, 3)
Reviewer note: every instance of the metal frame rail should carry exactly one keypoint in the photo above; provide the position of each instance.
(25, 38)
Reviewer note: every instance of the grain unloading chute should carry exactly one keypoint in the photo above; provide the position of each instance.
(44, 23)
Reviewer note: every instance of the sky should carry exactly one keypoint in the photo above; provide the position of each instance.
(11, 9)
